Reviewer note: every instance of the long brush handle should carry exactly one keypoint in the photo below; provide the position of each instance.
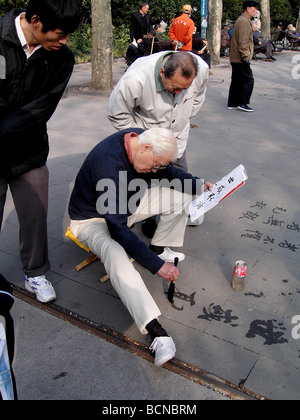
(171, 290)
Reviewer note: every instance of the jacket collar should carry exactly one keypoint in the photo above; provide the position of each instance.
(9, 32)
(158, 82)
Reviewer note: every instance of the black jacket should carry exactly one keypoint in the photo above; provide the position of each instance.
(139, 25)
(29, 95)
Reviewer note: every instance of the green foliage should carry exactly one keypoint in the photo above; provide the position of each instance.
(7, 5)
(285, 11)
(231, 10)
(80, 43)
(121, 39)
(282, 12)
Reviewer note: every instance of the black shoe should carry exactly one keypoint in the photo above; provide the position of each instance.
(149, 227)
(245, 108)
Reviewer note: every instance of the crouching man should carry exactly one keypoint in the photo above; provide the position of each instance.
(124, 180)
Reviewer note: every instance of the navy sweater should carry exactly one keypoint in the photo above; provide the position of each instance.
(106, 187)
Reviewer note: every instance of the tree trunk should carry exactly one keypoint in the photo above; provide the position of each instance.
(265, 18)
(215, 9)
(102, 47)
(298, 22)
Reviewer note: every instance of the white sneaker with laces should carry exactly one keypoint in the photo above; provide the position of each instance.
(164, 348)
(168, 255)
(42, 288)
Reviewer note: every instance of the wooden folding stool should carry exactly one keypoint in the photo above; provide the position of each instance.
(93, 257)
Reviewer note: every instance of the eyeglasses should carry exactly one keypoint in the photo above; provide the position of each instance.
(157, 168)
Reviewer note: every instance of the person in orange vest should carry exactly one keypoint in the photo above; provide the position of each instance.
(182, 29)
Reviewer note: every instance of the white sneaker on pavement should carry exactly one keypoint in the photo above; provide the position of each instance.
(164, 348)
(42, 288)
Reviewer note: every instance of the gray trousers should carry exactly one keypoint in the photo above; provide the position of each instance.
(30, 196)
(181, 162)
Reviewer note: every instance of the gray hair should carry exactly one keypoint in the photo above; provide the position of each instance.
(162, 140)
(183, 60)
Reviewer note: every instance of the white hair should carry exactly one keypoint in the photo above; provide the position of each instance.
(162, 140)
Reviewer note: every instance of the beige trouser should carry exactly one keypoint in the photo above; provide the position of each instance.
(125, 279)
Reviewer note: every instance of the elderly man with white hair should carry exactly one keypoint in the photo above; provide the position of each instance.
(125, 179)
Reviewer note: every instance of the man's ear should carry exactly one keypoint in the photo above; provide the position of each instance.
(35, 21)
(147, 147)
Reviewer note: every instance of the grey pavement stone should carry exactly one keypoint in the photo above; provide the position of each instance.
(58, 361)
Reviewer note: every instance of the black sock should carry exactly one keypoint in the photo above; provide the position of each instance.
(149, 227)
(156, 330)
(157, 249)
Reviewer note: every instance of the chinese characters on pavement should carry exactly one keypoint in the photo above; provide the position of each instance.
(274, 217)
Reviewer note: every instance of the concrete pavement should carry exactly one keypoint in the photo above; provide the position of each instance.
(247, 338)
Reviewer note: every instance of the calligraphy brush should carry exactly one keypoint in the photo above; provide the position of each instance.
(171, 290)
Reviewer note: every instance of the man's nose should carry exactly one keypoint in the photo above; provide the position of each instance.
(64, 40)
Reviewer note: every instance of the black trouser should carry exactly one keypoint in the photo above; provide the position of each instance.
(242, 83)
(30, 196)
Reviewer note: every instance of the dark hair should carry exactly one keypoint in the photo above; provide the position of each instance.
(54, 14)
(151, 32)
(183, 60)
(250, 3)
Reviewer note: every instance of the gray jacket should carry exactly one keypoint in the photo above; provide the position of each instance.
(140, 100)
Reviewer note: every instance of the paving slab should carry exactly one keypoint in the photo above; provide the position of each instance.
(55, 360)
(243, 337)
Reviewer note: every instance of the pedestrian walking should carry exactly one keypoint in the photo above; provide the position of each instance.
(241, 53)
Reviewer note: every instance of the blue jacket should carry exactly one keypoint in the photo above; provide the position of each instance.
(105, 187)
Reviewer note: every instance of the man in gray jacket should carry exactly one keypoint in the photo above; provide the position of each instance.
(241, 53)
(166, 90)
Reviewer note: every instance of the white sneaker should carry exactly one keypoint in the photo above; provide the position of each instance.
(169, 256)
(164, 348)
(196, 222)
(42, 288)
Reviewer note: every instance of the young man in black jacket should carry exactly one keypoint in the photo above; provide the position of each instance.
(38, 65)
